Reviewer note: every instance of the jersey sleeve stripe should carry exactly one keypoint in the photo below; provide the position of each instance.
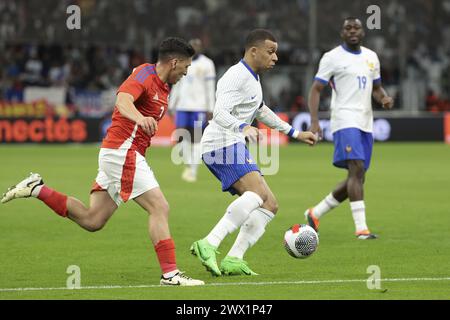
(291, 132)
(242, 126)
(322, 81)
(376, 81)
(145, 73)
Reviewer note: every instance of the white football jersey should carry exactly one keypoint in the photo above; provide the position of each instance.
(195, 91)
(351, 75)
(238, 97)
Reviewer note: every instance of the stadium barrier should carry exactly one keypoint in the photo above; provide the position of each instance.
(49, 130)
(447, 127)
(52, 129)
(426, 127)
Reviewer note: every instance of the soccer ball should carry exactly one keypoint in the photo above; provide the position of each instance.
(301, 241)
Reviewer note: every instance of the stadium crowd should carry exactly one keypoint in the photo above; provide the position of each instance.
(37, 49)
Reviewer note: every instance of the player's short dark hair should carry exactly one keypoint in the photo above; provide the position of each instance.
(258, 35)
(174, 47)
(351, 19)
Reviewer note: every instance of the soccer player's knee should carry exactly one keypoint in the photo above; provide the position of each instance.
(161, 208)
(95, 220)
(95, 226)
(361, 173)
(356, 169)
(254, 196)
(165, 207)
(262, 193)
(271, 204)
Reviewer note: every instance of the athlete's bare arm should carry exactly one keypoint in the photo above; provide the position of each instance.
(125, 104)
(313, 104)
(382, 97)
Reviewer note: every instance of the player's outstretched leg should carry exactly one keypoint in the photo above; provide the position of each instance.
(252, 229)
(331, 201)
(33, 186)
(91, 218)
(236, 214)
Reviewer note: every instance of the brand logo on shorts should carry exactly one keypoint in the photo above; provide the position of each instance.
(155, 97)
(348, 149)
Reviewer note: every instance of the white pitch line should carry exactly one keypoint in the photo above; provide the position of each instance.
(230, 284)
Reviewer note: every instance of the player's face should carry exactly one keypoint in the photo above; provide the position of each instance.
(179, 69)
(266, 55)
(352, 32)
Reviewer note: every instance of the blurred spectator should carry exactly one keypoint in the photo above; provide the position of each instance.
(435, 104)
(413, 43)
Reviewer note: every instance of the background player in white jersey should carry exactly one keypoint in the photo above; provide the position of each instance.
(239, 101)
(193, 99)
(353, 72)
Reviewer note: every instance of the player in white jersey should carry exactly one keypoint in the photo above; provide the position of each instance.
(239, 100)
(353, 72)
(193, 99)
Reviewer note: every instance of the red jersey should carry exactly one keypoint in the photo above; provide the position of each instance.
(150, 98)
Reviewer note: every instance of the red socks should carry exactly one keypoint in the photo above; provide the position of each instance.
(165, 249)
(55, 200)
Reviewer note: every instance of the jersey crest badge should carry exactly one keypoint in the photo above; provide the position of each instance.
(371, 65)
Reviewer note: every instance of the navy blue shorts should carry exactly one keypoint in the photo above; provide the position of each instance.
(230, 164)
(190, 119)
(352, 144)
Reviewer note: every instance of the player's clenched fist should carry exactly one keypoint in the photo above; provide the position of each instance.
(307, 137)
(387, 103)
(315, 128)
(251, 133)
(148, 124)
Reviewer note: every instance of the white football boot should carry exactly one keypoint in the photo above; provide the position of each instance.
(180, 279)
(23, 189)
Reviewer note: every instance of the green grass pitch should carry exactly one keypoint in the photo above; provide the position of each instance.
(408, 205)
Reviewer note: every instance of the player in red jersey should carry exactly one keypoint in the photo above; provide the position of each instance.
(123, 171)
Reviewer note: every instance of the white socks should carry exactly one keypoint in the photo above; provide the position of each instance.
(252, 229)
(359, 215)
(36, 191)
(325, 206)
(358, 211)
(237, 212)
